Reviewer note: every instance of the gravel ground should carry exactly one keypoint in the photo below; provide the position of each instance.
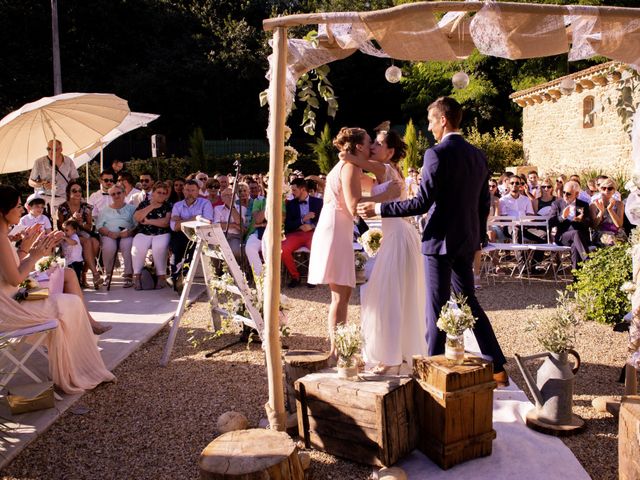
(154, 422)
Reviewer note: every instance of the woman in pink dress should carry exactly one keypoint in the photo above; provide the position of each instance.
(75, 363)
(331, 260)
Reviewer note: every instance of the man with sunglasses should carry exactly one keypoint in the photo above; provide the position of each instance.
(572, 218)
(40, 177)
(100, 199)
(146, 183)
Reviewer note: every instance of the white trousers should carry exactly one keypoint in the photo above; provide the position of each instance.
(159, 245)
(109, 251)
(253, 249)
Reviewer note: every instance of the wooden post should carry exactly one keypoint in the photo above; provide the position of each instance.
(277, 114)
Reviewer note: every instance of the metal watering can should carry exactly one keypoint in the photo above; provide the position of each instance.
(553, 392)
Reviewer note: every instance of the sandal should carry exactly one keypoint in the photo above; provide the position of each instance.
(128, 283)
(100, 329)
(161, 284)
(97, 282)
(137, 283)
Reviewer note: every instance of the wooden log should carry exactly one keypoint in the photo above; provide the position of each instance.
(255, 454)
(297, 364)
(628, 438)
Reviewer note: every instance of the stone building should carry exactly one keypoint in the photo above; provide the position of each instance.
(569, 130)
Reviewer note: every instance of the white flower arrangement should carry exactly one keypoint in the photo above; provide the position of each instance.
(348, 339)
(290, 155)
(371, 241)
(607, 239)
(46, 263)
(455, 317)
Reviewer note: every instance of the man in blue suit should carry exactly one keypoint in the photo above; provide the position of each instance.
(454, 192)
(301, 217)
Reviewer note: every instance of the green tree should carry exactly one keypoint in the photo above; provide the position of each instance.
(412, 156)
(325, 153)
(501, 149)
(196, 150)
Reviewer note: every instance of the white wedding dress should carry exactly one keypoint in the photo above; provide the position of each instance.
(393, 300)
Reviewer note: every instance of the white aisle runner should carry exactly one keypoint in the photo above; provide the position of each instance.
(518, 451)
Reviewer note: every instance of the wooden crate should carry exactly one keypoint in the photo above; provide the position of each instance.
(629, 438)
(372, 422)
(455, 409)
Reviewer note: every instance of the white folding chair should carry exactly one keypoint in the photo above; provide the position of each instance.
(36, 335)
(513, 246)
(555, 260)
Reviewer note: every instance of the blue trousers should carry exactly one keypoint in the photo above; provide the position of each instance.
(445, 273)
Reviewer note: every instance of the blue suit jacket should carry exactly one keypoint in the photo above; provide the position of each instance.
(454, 190)
(292, 219)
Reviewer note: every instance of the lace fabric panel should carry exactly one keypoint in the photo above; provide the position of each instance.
(352, 35)
(409, 35)
(505, 33)
(612, 35)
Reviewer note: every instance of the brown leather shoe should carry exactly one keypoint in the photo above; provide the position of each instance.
(501, 378)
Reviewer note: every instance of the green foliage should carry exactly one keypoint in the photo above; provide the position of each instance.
(598, 283)
(625, 104)
(555, 332)
(412, 156)
(317, 77)
(325, 153)
(196, 149)
(501, 148)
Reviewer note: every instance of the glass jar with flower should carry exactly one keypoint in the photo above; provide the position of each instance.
(360, 260)
(455, 317)
(348, 343)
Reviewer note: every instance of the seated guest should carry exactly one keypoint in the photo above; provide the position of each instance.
(244, 199)
(255, 190)
(75, 208)
(607, 211)
(71, 248)
(129, 185)
(185, 211)
(503, 183)
(572, 218)
(560, 181)
(116, 226)
(153, 218)
(35, 214)
(254, 235)
(542, 204)
(223, 180)
(176, 192)
(517, 205)
(117, 168)
(494, 232)
(100, 199)
(202, 179)
(233, 222)
(584, 196)
(146, 183)
(75, 364)
(301, 217)
(532, 187)
(213, 187)
(598, 193)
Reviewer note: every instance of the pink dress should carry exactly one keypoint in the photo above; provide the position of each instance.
(332, 259)
(75, 364)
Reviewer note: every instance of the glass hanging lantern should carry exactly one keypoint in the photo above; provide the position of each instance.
(460, 80)
(393, 74)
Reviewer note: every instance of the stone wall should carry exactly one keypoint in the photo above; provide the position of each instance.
(555, 140)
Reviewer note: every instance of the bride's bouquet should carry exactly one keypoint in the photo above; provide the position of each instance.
(371, 241)
(52, 261)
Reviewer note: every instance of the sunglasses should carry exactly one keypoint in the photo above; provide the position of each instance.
(567, 194)
(559, 181)
(493, 186)
(607, 189)
(144, 180)
(115, 194)
(76, 190)
(515, 183)
(546, 186)
(107, 180)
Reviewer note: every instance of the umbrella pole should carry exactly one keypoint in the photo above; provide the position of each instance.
(102, 160)
(86, 170)
(275, 406)
(54, 213)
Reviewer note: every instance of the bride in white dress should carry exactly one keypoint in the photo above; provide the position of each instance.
(393, 300)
